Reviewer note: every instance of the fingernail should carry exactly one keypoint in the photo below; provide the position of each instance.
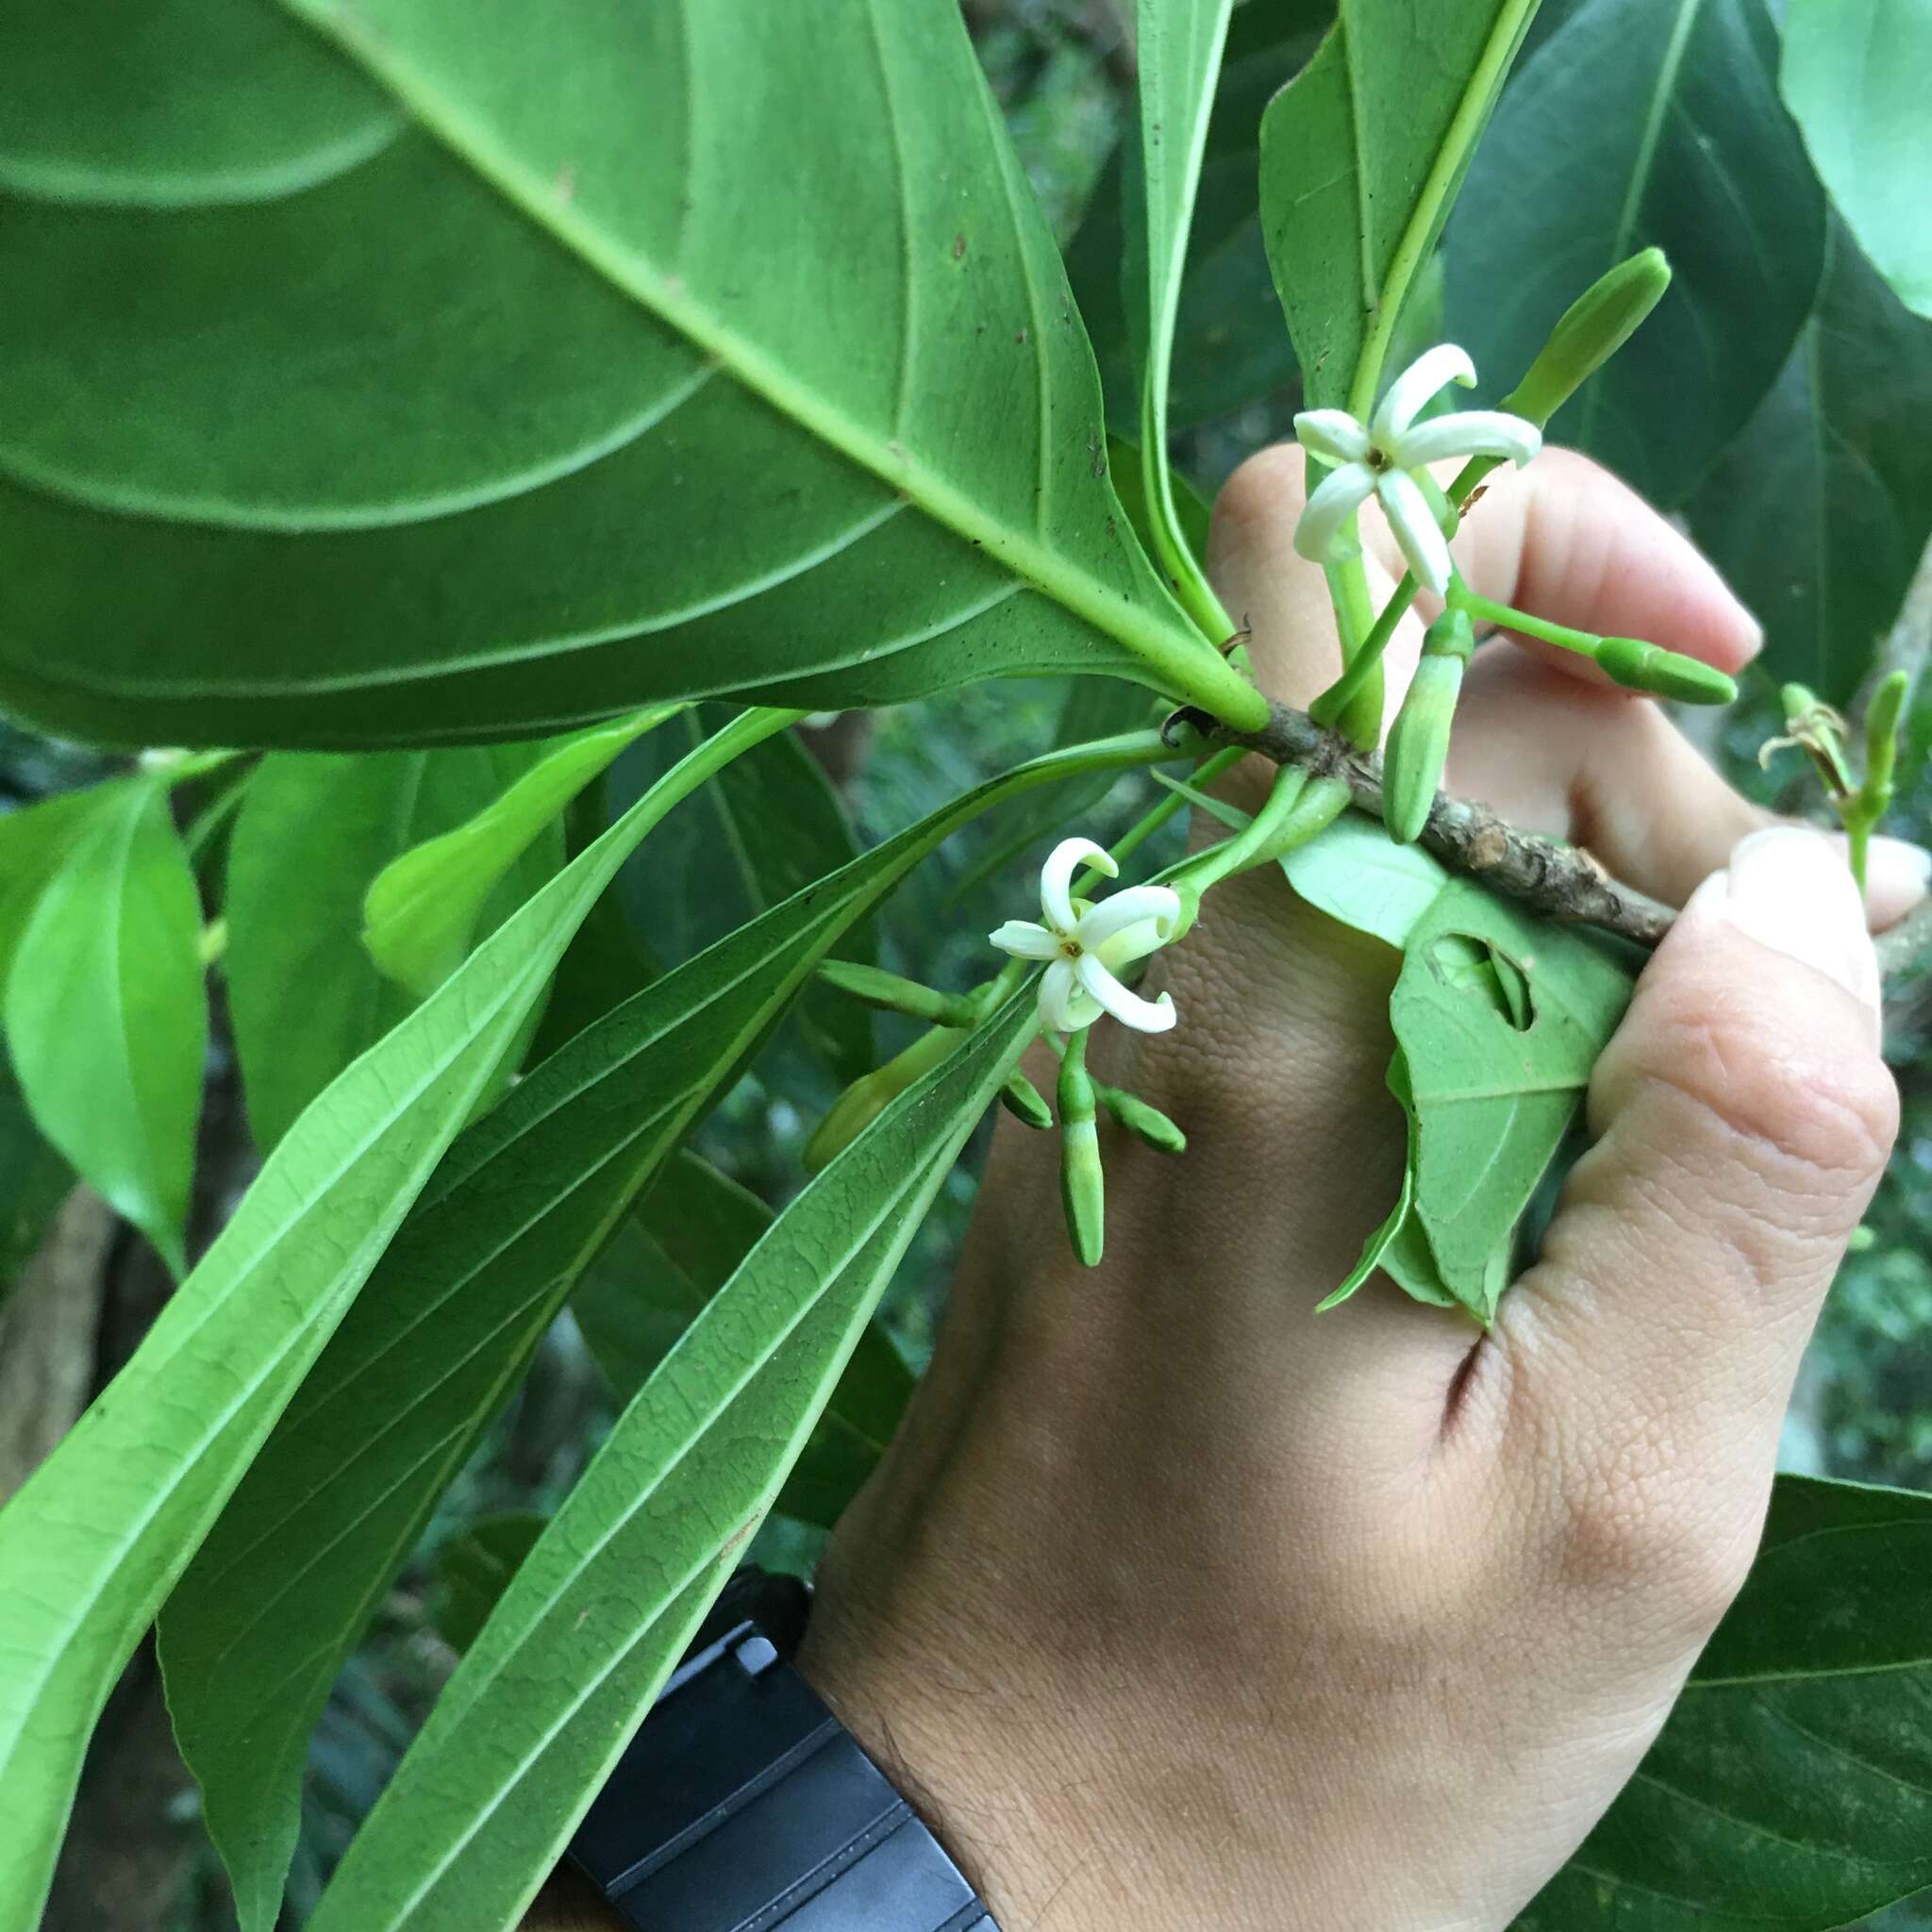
(1791, 892)
(1897, 875)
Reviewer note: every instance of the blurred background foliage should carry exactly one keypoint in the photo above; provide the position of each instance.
(1063, 72)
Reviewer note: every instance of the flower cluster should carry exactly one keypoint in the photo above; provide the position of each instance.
(1388, 456)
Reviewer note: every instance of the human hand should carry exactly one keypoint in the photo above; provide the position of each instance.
(1176, 1604)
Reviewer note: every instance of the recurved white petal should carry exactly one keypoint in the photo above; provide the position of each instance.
(1159, 906)
(1334, 435)
(1467, 433)
(1415, 386)
(1056, 878)
(1065, 1006)
(1025, 939)
(1129, 1009)
(1318, 535)
(1415, 528)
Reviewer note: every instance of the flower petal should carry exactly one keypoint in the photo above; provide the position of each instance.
(1129, 1009)
(1467, 433)
(1318, 535)
(1065, 1006)
(1333, 435)
(1023, 940)
(1415, 528)
(1415, 386)
(1161, 904)
(1132, 943)
(1056, 878)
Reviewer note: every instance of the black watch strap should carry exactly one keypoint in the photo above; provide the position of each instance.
(742, 1805)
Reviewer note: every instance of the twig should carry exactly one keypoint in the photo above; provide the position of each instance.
(1561, 882)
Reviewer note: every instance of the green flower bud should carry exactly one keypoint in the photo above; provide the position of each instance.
(1590, 331)
(1083, 1180)
(1639, 666)
(1025, 1102)
(870, 1096)
(1419, 741)
(1149, 1123)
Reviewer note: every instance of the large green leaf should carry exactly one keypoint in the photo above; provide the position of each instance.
(1228, 343)
(1640, 123)
(491, 432)
(1818, 512)
(1853, 76)
(1791, 1787)
(330, 1508)
(112, 1516)
(304, 995)
(34, 842)
(683, 1242)
(107, 1017)
(1361, 156)
(531, 1723)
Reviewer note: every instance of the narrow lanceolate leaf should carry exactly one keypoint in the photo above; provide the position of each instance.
(532, 1721)
(682, 1244)
(423, 908)
(1819, 512)
(109, 1520)
(107, 1017)
(1361, 156)
(1791, 1787)
(1854, 74)
(1640, 123)
(1177, 51)
(1229, 346)
(304, 995)
(500, 437)
(1500, 1018)
(300, 1556)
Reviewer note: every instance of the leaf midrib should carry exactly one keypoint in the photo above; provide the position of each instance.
(1172, 647)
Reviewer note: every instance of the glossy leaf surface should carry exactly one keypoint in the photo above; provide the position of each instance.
(1853, 76)
(632, 473)
(1818, 512)
(527, 1729)
(110, 1519)
(1640, 123)
(315, 829)
(106, 1013)
(674, 1251)
(1361, 154)
(1791, 1787)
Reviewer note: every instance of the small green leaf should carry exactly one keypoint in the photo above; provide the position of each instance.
(110, 1519)
(34, 842)
(1378, 1244)
(531, 1723)
(420, 917)
(474, 1571)
(1361, 156)
(1355, 873)
(1854, 76)
(1791, 1787)
(1500, 1018)
(1818, 512)
(315, 829)
(107, 1017)
(672, 1254)
(1639, 123)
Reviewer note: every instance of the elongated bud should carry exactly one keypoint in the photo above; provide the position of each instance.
(1590, 332)
(1149, 1123)
(1083, 1181)
(870, 1096)
(890, 993)
(1639, 666)
(1419, 741)
(1025, 1102)
(1882, 718)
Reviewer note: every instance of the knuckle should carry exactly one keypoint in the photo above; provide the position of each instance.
(1746, 1082)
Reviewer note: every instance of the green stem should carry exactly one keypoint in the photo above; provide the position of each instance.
(1463, 598)
(889, 992)
(1255, 843)
(1858, 842)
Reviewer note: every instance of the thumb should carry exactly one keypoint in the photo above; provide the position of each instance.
(1742, 1118)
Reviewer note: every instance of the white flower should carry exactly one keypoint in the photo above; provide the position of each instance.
(1383, 459)
(1087, 944)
